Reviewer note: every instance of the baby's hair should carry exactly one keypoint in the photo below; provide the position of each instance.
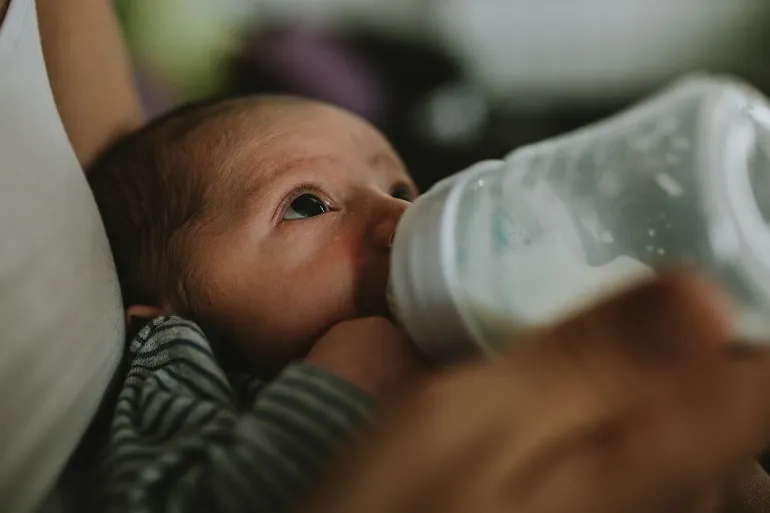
(149, 196)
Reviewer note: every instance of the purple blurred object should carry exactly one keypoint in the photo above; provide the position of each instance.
(155, 97)
(312, 63)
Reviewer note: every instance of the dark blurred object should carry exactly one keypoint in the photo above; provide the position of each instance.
(438, 120)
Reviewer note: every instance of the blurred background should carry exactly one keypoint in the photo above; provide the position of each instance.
(450, 82)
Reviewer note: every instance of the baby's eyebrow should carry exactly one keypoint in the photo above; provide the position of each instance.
(384, 159)
(254, 185)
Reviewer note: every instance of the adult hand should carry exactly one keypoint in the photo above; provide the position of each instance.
(638, 405)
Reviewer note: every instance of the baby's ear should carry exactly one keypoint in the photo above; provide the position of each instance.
(139, 315)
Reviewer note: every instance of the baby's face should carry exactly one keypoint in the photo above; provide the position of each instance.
(301, 232)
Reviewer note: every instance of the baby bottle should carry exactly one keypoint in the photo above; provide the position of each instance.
(682, 178)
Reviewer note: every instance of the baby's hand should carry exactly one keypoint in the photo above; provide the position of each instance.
(371, 353)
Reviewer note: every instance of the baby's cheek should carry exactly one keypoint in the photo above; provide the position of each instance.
(342, 263)
(342, 270)
(366, 273)
(324, 275)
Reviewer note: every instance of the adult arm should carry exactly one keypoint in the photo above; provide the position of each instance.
(90, 73)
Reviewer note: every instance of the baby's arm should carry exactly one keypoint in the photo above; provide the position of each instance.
(180, 442)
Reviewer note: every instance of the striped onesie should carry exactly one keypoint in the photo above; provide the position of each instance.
(187, 438)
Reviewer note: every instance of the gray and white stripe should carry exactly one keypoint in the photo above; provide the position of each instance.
(185, 438)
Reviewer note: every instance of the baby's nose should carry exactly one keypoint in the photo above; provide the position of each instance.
(387, 220)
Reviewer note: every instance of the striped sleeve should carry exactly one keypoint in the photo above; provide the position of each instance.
(182, 440)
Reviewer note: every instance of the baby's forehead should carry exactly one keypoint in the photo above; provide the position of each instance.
(288, 121)
(263, 133)
(251, 139)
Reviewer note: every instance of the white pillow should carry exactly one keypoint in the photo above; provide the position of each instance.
(61, 323)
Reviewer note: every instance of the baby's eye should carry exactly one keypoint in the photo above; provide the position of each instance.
(403, 192)
(304, 206)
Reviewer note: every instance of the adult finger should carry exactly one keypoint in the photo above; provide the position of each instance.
(598, 365)
(592, 374)
(739, 401)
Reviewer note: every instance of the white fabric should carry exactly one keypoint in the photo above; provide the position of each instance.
(61, 326)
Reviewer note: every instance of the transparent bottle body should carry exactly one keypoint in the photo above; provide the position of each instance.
(680, 180)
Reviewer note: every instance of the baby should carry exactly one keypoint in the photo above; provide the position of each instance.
(252, 239)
